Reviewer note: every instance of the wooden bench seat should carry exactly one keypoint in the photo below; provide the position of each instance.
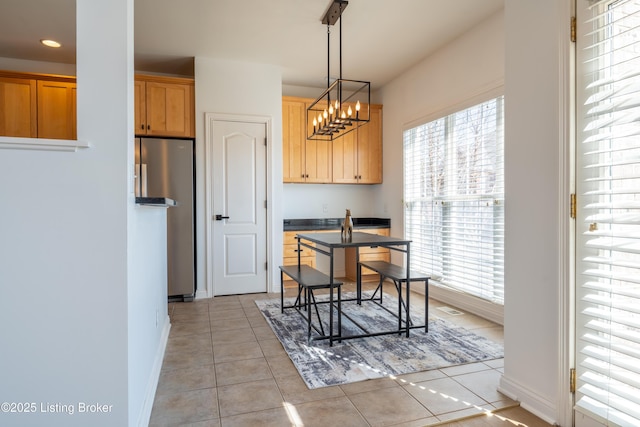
(398, 275)
(309, 279)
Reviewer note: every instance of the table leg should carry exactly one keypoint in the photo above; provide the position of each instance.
(281, 292)
(407, 310)
(331, 314)
(358, 277)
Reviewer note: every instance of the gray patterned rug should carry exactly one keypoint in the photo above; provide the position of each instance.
(373, 357)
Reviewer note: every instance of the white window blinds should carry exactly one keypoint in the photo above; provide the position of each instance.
(454, 199)
(608, 222)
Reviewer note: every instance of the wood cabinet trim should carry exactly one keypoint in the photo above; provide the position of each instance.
(165, 79)
(37, 76)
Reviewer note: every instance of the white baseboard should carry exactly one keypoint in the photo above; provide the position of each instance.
(529, 400)
(202, 294)
(152, 386)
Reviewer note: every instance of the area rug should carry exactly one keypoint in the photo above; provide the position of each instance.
(360, 359)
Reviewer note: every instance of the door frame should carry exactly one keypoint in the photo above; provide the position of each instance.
(210, 119)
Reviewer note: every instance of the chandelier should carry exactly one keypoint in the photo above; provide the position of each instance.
(344, 105)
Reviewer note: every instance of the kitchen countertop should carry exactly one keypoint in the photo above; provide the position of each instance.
(161, 202)
(334, 223)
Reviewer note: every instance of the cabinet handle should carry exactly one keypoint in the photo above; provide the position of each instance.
(148, 127)
(142, 126)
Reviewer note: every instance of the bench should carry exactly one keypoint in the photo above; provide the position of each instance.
(309, 279)
(398, 275)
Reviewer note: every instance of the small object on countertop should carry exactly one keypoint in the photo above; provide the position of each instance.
(347, 227)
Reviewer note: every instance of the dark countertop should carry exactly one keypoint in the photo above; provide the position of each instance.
(161, 202)
(334, 223)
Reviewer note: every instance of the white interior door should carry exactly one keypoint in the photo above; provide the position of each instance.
(238, 211)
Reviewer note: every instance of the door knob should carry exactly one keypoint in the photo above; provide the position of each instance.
(220, 217)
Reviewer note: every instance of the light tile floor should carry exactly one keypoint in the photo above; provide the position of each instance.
(224, 367)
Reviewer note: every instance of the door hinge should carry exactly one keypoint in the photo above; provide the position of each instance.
(573, 29)
(265, 141)
(572, 380)
(265, 204)
(574, 208)
(266, 266)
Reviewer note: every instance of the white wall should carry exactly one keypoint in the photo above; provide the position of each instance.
(523, 46)
(310, 201)
(463, 69)
(77, 313)
(537, 199)
(465, 72)
(26, 66)
(231, 87)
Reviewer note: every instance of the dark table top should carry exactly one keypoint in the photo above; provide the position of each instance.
(309, 224)
(334, 240)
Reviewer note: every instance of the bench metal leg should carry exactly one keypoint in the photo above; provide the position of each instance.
(379, 288)
(312, 300)
(407, 324)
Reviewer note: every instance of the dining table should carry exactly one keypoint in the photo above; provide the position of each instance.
(327, 244)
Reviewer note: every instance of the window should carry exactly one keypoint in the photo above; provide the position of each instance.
(454, 199)
(608, 221)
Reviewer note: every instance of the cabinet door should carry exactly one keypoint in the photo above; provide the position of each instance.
(345, 158)
(18, 112)
(370, 148)
(318, 161)
(318, 156)
(56, 110)
(293, 140)
(169, 109)
(140, 109)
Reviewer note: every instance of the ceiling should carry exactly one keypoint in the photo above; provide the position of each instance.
(380, 38)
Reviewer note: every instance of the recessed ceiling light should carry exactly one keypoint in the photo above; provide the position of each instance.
(50, 43)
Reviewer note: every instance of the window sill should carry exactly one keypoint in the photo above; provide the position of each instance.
(41, 144)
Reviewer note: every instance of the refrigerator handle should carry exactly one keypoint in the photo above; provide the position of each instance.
(143, 180)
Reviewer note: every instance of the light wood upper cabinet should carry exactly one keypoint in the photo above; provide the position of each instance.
(345, 158)
(18, 107)
(140, 107)
(37, 105)
(293, 140)
(357, 156)
(370, 148)
(318, 155)
(303, 160)
(44, 106)
(56, 110)
(164, 106)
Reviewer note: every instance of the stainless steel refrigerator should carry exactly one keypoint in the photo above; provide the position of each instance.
(166, 169)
